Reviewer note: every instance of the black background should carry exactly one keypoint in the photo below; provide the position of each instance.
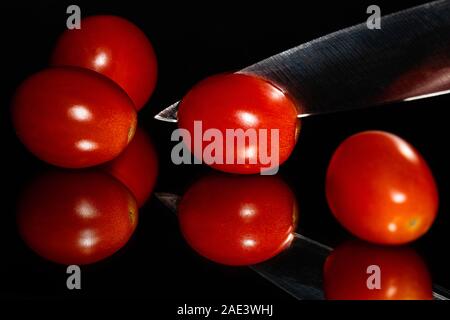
(193, 41)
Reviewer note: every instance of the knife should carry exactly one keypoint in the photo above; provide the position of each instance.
(297, 270)
(357, 67)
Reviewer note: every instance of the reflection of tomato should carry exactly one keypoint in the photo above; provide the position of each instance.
(237, 101)
(403, 274)
(137, 166)
(73, 117)
(76, 217)
(381, 189)
(431, 75)
(238, 220)
(114, 47)
(420, 81)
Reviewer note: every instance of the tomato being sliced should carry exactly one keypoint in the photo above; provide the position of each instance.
(238, 220)
(381, 189)
(241, 102)
(73, 117)
(76, 217)
(115, 48)
(361, 271)
(137, 166)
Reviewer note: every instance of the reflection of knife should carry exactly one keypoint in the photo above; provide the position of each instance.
(408, 58)
(302, 278)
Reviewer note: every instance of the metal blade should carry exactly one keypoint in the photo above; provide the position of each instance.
(298, 270)
(408, 58)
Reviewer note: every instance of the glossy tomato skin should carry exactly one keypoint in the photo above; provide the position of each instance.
(238, 101)
(137, 166)
(115, 48)
(72, 117)
(236, 220)
(403, 274)
(76, 217)
(381, 189)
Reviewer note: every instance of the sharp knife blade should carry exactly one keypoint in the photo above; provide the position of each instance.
(407, 59)
(298, 270)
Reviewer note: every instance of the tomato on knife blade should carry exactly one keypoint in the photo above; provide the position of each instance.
(238, 220)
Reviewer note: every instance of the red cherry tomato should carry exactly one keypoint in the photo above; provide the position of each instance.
(417, 82)
(76, 217)
(73, 117)
(238, 101)
(238, 220)
(137, 166)
(114, 47)
(403, 274)
(381, 189)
